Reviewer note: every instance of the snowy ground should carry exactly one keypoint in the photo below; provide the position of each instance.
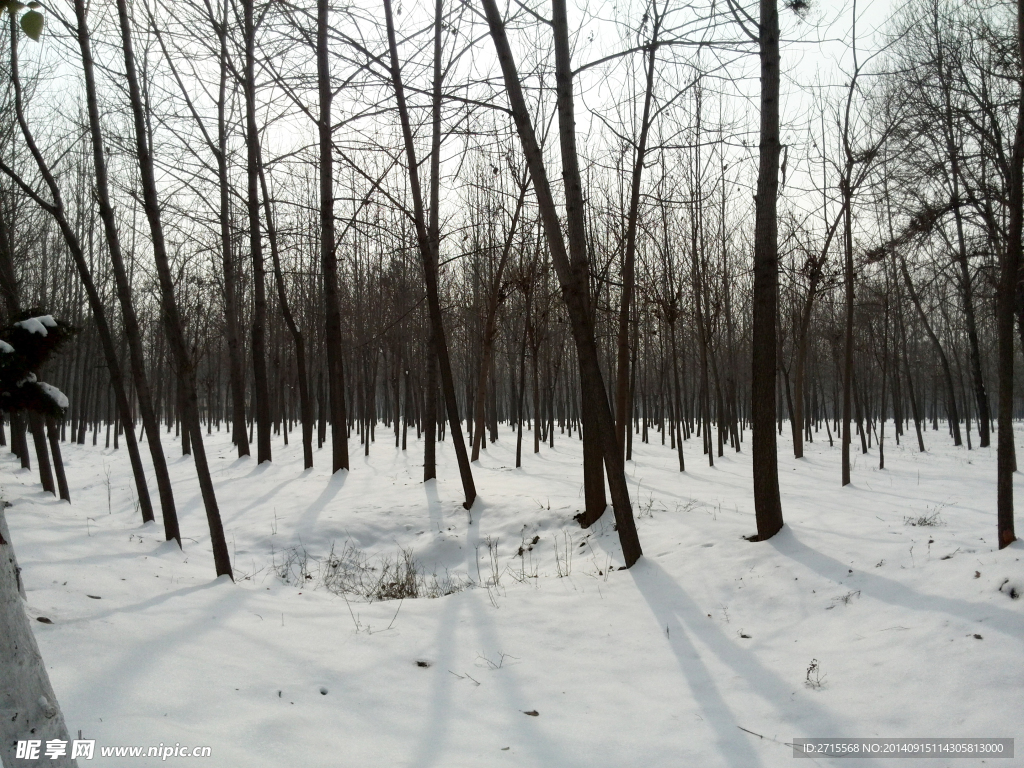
(698, 656)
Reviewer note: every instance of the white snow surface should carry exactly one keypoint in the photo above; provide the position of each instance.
(38, 324)
(5, 347)
(55, 394)
(697, 656)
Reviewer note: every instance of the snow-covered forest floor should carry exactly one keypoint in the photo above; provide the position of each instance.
(882, 609)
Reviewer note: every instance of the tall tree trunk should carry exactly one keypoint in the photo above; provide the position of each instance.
(429, 242)
(911, 395)
(573, 275)
(328, 256)
(130, 321)
(261, 390)
(491, 325)
(767, 500)
(173, 327)
(1009, 279)
(952, 413)
(622, 405)
(57, 211)
(960, 255)
(305, 405)
(236, 351)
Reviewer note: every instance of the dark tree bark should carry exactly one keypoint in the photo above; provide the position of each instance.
(573, 275)
(952, 413)
(911, 394)
(305, 405)
(57, 211)
(1009, 279)
(236, 354)
(767, 500)
(622, 403)
(35, 421)
(494, 299)
(58, 461)
(173, 326)
(129, 317)
(261, 390)
(428, 246)
(328, 256)
(575, 221)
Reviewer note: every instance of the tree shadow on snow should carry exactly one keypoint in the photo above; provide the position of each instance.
(305, 525)
(690, 634)
(524, 733)
(894, 593)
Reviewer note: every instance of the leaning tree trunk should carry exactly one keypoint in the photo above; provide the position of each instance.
(130, 320)
(960, 256)
(491, 326)
(622, 402)
(573, 275)
(35, 422)
(58, 461)
(28, 705)
(803, 335)
(173, 326)
(57, 211)
(428, 246)
(594, 449)
(305, 404)
(952, 414)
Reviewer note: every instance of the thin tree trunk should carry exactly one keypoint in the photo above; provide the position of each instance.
(429, 241)
(35, 421)
(173, 326)
(573, 275)
(56, 210)
(261, 390)
(947, 374)
(130, 321)
(58, 460)
(305, 406)
(490, 323)
(629, 257)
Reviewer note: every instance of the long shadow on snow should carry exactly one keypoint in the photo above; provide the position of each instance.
(305, 525)
(524, 732)
(893, 592)
(129, 667)
(141, 606)
(260, 500)
(428, 750)
(676, 610)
